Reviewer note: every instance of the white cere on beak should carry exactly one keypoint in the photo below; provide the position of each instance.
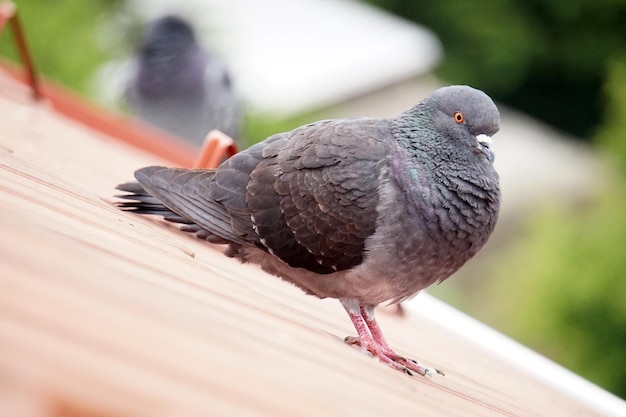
(484, 140)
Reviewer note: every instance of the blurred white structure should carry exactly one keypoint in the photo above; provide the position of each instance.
(289, 56)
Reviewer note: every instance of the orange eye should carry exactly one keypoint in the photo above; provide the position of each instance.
(458, 117)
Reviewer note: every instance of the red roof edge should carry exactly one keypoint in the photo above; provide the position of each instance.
(120, 127)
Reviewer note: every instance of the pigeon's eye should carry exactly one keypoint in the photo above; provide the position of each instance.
(458, 117)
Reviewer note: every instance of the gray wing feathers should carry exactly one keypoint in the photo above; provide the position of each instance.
(309, 196)
(183, 192)
(322, 206)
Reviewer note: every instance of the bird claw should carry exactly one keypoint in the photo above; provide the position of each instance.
(428, 372)
(422, 370)
(386, 355)
(411, 366)
(351, 340)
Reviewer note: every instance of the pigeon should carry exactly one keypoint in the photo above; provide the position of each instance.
(364, 210)
(178, 87)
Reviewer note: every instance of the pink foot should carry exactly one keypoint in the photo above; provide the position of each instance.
(371, 340)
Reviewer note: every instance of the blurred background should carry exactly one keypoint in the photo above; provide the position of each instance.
(553, 275)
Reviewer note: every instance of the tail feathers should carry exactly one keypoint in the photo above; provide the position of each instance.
(180, 196)
(138, 201)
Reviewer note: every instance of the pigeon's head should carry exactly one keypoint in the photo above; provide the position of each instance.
(466, 116)
(170, 59)
(167, 34)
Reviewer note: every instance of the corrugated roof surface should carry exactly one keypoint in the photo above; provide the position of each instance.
(105, 313)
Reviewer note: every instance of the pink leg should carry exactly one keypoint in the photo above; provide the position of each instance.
(371, 339)
(368, 314)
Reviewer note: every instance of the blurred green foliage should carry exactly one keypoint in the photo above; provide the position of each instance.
(63, 38)
(546, 57)
(561, 289)
(611, 137)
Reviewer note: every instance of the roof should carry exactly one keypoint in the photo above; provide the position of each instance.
(107, 313)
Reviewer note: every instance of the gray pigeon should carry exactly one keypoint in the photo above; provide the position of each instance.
(363, 210)
(180, 88)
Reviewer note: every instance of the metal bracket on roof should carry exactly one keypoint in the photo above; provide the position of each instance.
(8, 13)
(216, 148)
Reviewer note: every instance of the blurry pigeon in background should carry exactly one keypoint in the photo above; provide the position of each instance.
(363, 210)
(180, 88)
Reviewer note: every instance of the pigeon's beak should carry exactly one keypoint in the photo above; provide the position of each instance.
(484, 140)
